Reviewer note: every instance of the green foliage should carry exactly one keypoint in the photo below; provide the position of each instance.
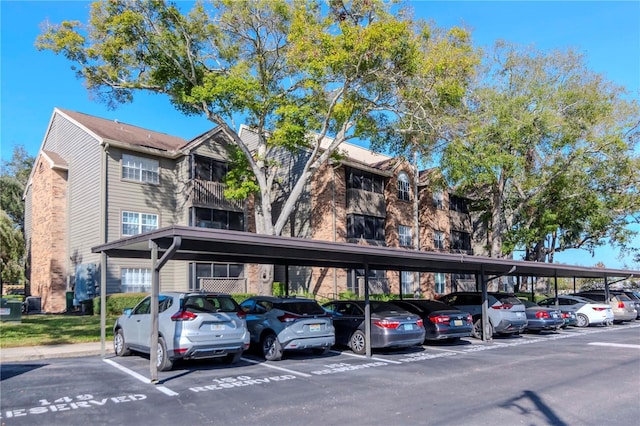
(118, 302)
(549, 152)
(11, 251)
(299, 73)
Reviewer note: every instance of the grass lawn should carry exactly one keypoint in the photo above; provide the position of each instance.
(48, 329)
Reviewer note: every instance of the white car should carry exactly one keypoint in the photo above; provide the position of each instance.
(588, 312)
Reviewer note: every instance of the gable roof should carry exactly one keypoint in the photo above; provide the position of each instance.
(114, 130)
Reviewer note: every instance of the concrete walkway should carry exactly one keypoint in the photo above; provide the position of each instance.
(31, 353)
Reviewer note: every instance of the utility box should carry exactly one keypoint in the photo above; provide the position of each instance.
(10, 310)
(33, 304)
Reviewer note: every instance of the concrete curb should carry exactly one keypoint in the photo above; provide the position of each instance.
(34, 353)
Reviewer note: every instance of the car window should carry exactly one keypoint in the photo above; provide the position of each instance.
(143, 307)
(547, 302)
(248, 305)
(300, 307)
(350, 309)
(263, 306)
(164, 303)
(508, 299)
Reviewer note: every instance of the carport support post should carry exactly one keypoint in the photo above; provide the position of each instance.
(485, 306)
(606, 289)
(103, 303)
(155, 290)
(367, 312)
(555, 285)
(286, 280)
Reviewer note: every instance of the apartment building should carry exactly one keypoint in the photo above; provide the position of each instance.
(97, 180)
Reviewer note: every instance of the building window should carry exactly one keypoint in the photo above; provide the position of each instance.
(135, 280)
(140, 169)
(441, 282)
(458, 204)
(205, 168)
(365, 181)
(218, 219)
(377, 280)
(406, 280)
(438, 202)
(365, 227)
(460, 241)
(134, 223)
(403, 187)
(438, 240)
(404, 234)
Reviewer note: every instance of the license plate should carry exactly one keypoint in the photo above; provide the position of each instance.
(408, 327)
(217, 327)
(457, 322)
(315, 327)
(518, 314)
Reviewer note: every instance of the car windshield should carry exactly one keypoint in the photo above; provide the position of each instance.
(508, 299)
(300, 307)
(209, 303)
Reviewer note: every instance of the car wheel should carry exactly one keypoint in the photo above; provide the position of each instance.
(321, 351)
(477, 329)
(271, 348)
(582, 320)
(358, 342)
(119, 345)
(233, 358)
(163, 363)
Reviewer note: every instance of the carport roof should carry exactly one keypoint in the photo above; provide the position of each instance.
(214, 245)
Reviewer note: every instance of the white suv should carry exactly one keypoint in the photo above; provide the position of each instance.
(507, 314)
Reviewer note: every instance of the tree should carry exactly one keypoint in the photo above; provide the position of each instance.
(549, 154)
(11, 251)
(299, 73)
(13, 179)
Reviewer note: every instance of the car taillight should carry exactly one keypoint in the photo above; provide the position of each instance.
(565, 315)
(599, 309)
(503, 306)
(386, 323)
(288, 317)
(420, 323)
(439, 319)
(620, 305)
(241, 314)
(183, 316)
(542, 314)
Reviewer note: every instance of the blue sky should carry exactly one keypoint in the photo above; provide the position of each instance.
(33, 82)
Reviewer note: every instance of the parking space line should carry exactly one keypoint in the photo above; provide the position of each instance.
(140, 377)
(299, 373)
(615, 345)
(445, 350)
(376, 359)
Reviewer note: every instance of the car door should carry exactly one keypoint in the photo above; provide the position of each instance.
(138, 332)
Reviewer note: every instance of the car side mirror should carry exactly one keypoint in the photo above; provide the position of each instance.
(127, 312)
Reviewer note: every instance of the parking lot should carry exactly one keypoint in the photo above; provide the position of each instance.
(578, 376)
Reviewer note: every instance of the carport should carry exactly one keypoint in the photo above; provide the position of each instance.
(214, 245)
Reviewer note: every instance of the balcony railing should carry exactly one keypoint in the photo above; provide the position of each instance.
(222, 284)
(365, 202)
(211, 194)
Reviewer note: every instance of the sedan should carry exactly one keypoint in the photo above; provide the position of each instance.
(190, 326)
(588, 312)
(441, 321)
(541, 318)
(391, 326)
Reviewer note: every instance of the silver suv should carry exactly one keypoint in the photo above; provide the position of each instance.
(190, 326)
(287, 323)
(507, 314)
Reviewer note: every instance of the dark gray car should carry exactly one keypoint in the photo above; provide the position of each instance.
(190, 326)
(277, 324)
(506, 312)
(391, 326)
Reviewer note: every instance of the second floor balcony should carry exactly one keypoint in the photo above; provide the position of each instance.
(204, 193)
(365, 202)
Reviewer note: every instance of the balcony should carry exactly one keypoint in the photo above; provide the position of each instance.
(365, 203)
(211, 194)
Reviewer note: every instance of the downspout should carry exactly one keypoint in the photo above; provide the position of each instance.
(103, 240)
(416, 214)
(335, 231)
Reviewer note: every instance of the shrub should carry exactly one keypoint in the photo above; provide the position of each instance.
(117, 302)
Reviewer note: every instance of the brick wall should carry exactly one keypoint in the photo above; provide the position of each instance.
(48, 244)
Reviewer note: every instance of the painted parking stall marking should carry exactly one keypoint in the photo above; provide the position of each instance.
(286, 370)
(343, 367)
(232, 382)
(165, 390)
(615, 345)
(66, 403)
